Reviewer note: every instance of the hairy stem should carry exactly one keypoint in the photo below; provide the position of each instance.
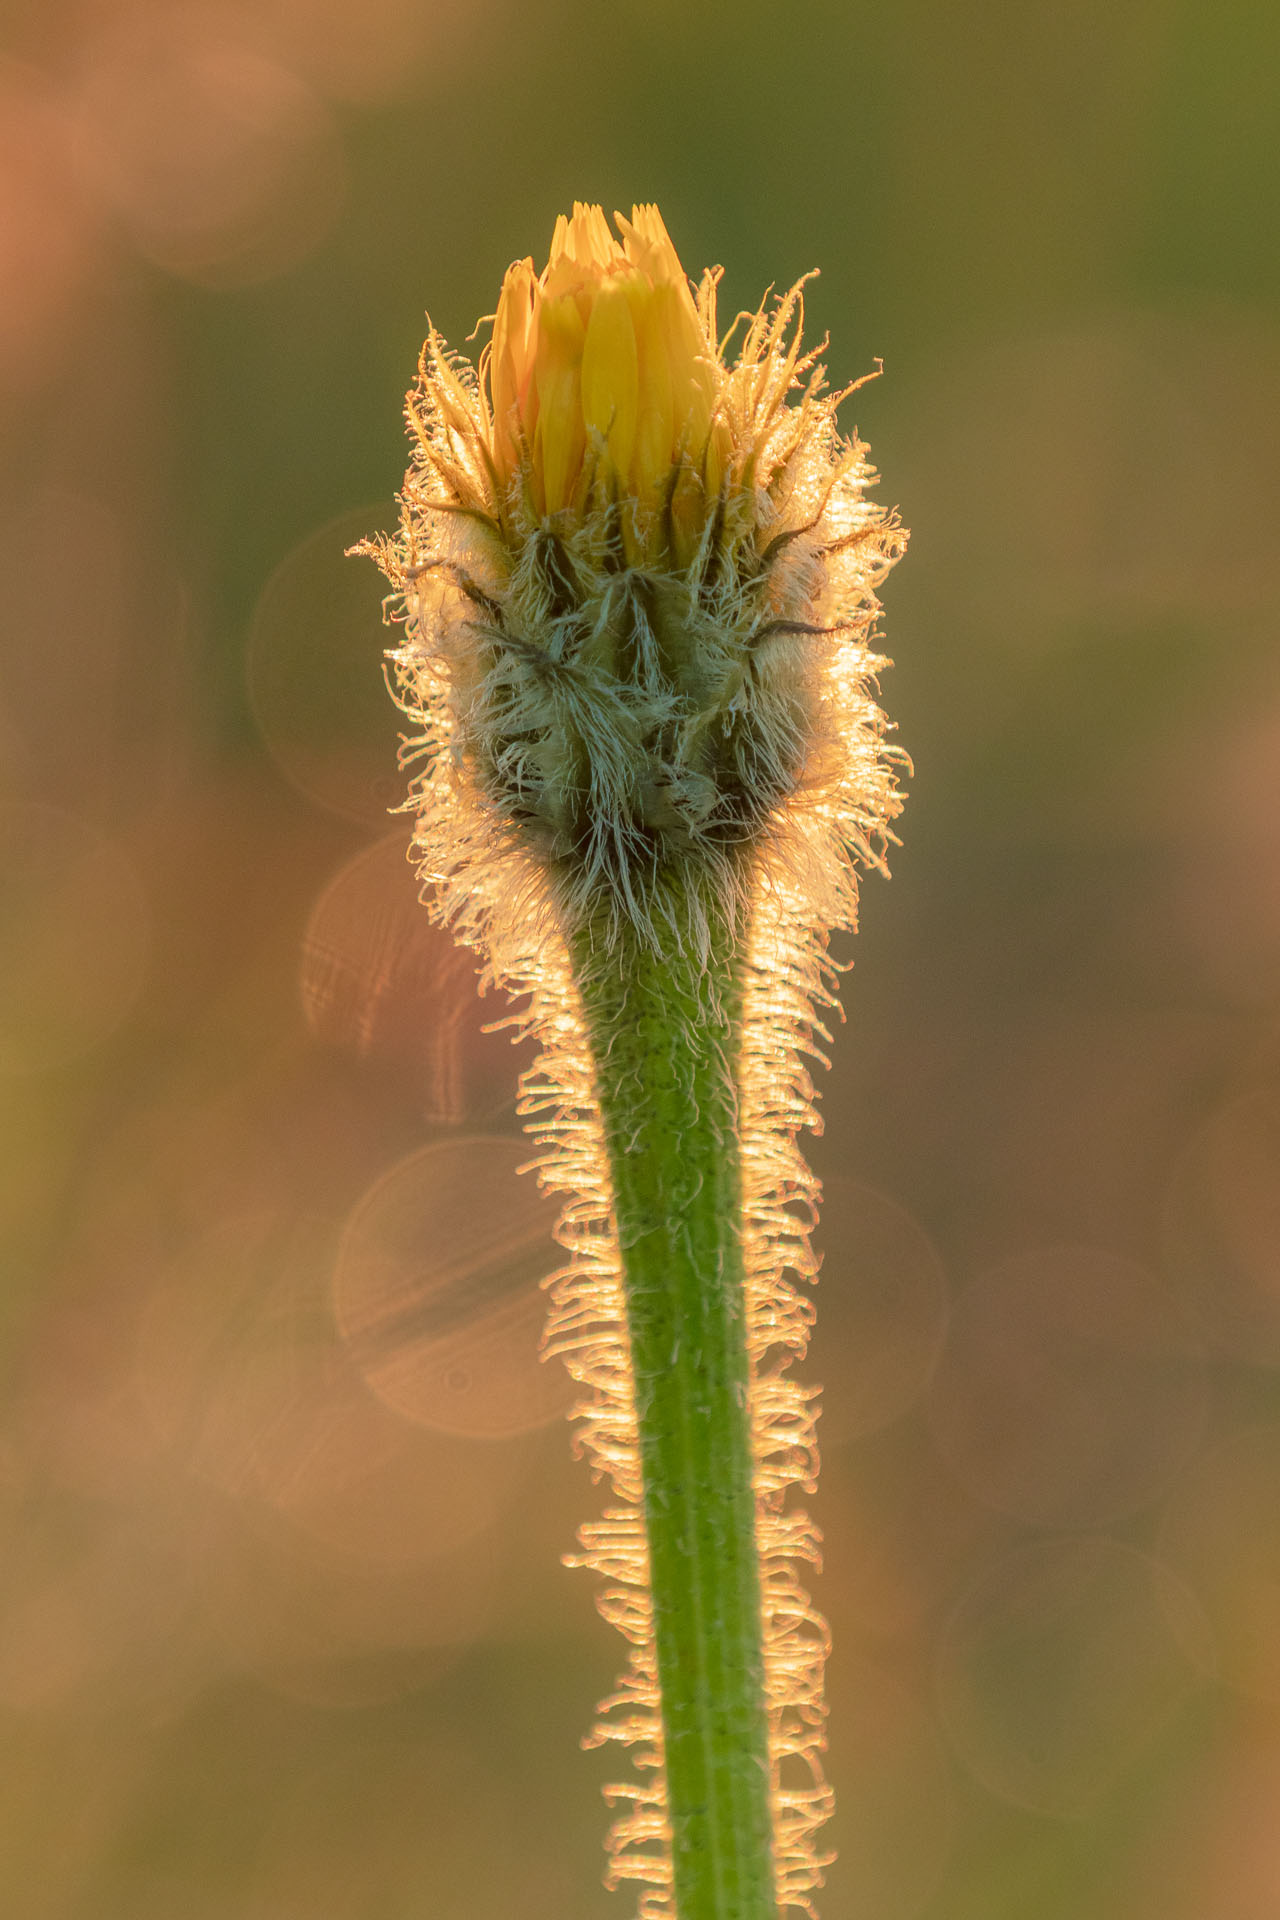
(664, 1028)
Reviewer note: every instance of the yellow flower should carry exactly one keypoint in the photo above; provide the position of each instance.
(603, 385)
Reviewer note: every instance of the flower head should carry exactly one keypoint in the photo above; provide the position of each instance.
(638, 577)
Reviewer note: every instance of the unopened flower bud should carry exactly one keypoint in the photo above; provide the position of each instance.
(638, 579)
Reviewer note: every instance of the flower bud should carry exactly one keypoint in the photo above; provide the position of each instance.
(638, 582)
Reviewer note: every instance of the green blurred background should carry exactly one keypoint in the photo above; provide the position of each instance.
(283, 1632)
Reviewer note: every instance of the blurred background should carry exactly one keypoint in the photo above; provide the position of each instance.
(283, 1632)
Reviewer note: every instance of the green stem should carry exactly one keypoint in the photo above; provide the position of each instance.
(664, 1029)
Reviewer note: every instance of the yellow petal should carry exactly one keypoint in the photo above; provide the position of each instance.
(715, 462)
(655, 420)
(646, 240)
(511, 361)
(693, 381)
(560, 436)
(611, 374)
(597, 246)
